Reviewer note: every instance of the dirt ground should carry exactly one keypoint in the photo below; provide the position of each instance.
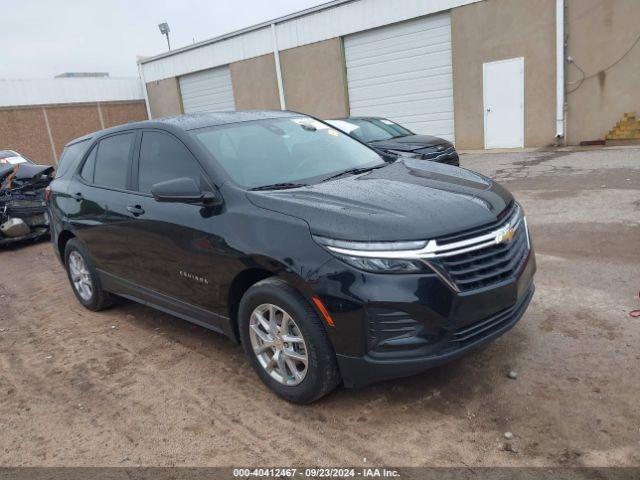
(133, 386)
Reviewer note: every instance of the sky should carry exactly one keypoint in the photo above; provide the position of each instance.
(43, 38)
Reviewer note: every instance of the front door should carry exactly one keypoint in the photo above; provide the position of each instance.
(503, 83)
(173, 241)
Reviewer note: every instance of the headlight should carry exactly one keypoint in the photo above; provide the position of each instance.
(383, 265)
(400, 153)
(362, 255)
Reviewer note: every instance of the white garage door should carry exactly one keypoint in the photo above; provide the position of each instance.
(207, 91)
(403, 72)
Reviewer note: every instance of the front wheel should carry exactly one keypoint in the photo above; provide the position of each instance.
(286, 343)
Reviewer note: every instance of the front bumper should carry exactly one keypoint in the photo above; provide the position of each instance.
(389, 326)
(360, 371)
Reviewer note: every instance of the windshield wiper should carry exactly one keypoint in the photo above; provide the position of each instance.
(280, 186)
(353, 171)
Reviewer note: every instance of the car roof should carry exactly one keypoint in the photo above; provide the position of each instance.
(192, 121)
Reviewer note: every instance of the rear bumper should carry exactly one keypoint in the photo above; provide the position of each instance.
(361, 371)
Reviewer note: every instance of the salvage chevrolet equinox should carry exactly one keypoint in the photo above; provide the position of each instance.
(328, 262)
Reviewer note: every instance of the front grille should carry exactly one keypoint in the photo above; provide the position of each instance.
(491, 264)
(448, 155)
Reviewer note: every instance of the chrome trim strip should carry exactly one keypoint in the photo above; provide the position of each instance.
(441, 274)
(433, 250)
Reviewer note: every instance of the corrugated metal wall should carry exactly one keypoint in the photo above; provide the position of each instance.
(343, 19)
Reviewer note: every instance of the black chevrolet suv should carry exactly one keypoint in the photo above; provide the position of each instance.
(326, 261)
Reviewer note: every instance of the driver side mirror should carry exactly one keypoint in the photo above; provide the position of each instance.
(183, 190)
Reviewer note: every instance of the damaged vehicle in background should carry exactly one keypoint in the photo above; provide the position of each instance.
(11, 157)
(23, 186)
(389, 137)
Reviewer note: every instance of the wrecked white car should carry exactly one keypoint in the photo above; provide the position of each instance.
(23, 213)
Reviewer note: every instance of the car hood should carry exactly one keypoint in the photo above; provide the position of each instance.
(27, 171)
(409, 143)
(407, 200)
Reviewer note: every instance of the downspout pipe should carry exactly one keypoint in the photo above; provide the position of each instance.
(560, 56)
(276, 57)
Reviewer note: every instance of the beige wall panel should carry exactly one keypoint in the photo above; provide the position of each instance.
(24, 130)
(600, 32)
(71, 121)
(125, 112)
(314, 79)
(164, 97)
(254, 83)
(495, 30)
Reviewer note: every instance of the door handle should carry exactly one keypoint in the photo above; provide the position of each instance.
(136, 210)
(77, 196)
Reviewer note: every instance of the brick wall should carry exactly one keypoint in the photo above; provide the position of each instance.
(24, 129)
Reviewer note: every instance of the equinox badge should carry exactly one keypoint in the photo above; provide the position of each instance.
(194, 277)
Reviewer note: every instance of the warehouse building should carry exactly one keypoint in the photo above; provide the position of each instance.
(484, 73)
(39, 116)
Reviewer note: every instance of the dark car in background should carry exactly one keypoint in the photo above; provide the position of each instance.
(383, 134)
(326, 262)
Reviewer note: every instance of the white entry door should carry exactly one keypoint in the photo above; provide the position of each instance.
(503, 83)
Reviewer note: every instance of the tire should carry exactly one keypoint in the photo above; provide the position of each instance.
(99, 299)
(321, 374)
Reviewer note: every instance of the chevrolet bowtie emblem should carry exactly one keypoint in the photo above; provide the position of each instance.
(505, 236)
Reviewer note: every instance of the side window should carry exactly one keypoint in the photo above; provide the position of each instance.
(69, 156)
(162, 158)
(112, 161)
(89, 166)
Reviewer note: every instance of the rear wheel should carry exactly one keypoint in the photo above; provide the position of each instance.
(286, 342)
(84, 279)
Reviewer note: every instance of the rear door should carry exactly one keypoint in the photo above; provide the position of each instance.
(98, 203)
(172, 240)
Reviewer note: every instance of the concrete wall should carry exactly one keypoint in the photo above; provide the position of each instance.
(254, 83)
(495, 30)
(600, 32)
(164, 97)
(314, 79)
(24, 128)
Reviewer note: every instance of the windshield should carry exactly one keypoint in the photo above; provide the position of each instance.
(284, 150)
(372, 129)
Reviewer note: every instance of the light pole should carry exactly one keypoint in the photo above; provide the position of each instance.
(164, 30)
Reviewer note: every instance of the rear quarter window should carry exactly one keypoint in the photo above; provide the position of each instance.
(70, 156)
(112, 161)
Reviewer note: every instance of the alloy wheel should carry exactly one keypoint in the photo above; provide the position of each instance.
(278, 344)
(80, 276)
